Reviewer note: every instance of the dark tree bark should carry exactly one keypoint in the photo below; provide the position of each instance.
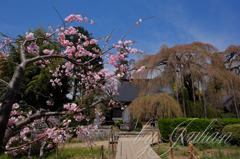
(183, 97)
(204, 100)
(234, 100)
(193, 94)
(8, 101)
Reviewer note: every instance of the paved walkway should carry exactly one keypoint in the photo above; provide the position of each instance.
(127, 148)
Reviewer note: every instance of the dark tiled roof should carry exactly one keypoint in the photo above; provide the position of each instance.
(127, 92)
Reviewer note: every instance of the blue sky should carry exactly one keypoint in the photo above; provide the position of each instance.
(178, 22)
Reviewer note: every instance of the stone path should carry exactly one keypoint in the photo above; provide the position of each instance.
(131, 148)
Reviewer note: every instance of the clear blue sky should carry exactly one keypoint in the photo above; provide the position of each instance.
(178, 22)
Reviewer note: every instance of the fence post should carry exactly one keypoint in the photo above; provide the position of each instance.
(152, 135)
(109, 146)
(171, 150)
(57, 150)
(101, 152)
(191, 150)
(158, 141)
(112, 142)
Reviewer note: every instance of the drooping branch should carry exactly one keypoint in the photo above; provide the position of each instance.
(11, 129)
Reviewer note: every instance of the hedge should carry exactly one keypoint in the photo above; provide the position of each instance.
(167, 126)
(235, 136)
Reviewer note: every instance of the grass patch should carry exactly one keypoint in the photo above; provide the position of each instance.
(220, 155)
(202, 151)
(68, 153)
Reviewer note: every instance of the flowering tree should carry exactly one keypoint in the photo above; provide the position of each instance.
(196, 66)
(16, 125)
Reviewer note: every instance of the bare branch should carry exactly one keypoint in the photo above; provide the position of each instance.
(59, 16)
(9, 62)
(107, 40)
(29, 61)
(136, 25)
(3, 81)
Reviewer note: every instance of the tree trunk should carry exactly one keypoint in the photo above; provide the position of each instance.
(176, 81)
(193, 93)
(8, 101)
(199, 92)
(183, 98)
(204, 100)
(74, 90)
(234, 100)
(188, 84)
(42, 149)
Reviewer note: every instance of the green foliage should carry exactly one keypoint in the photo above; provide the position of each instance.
(67, 153)
(118, 123)
(228, 115)
(217, 144)
(235, 130)
(168, 125)
(221, 123)
(35, 86)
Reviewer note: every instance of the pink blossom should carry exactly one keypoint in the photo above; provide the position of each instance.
(48, 35)
(48, 102)
(66, 106)
(140, 20)
(45, 42)
(67, 122)
(46, 51)
(141, 69)
(30, 36)
(49, 146)
(97, 77)
(134, 51)
(50, 28)
(15, 106)
(93, 41)
(119, 42)
(86, 43)
(7, 41)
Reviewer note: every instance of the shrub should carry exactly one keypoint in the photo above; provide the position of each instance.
(235, 130)
(228, 115)
(118, 123)
(161, 105)
(168, 125)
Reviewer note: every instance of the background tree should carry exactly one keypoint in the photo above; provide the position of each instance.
(160, 105)
(196, 67)
(36, 86)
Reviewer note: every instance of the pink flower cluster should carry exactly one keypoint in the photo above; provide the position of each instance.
(29, 36)
(33, 49)
(141, 69)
